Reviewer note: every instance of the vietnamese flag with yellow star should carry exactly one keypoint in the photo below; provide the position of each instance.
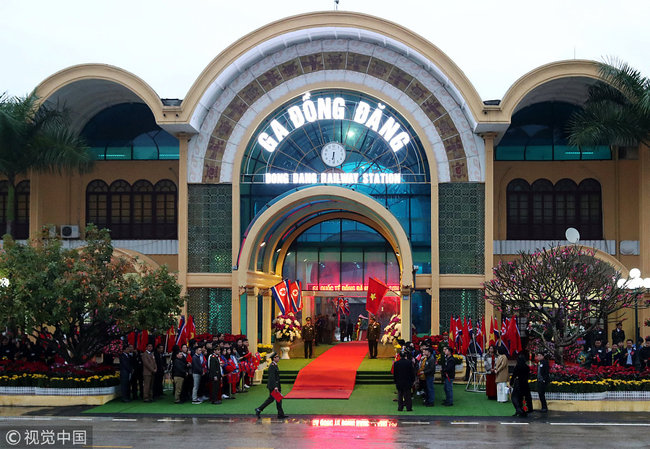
(376, 292)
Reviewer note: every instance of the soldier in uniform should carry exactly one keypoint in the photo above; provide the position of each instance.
(308, 337)
(273, 384)
(374, 329)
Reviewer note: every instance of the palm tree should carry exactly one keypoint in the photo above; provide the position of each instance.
(617, 110)
(36, 137)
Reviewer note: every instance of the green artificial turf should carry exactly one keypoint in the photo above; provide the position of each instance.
(372, 400)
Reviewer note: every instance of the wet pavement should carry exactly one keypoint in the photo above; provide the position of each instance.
(601, 430)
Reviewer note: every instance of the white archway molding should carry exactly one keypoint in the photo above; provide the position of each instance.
(473, 147)
(357, 202)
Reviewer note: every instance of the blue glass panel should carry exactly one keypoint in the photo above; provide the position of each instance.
(566, 153)
(539, 153)
(118, 153)
(601, 152)
(99, 153)
(539, 133)
(421, 312)
(510, 153)
(129, 125)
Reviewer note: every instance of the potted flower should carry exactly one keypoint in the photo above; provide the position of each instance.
(393, 331)
(286, 329)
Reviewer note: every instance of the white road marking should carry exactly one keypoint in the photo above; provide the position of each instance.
(25, 418)
(170, 420)
(617, 424)
(514, 423)
(80, 419)
(417, 423)
(464, 422)
(125, 419)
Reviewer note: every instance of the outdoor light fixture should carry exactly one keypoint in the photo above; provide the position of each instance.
(635, 282)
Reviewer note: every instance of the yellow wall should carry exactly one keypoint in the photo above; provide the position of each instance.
(61, 199)
(620, 186)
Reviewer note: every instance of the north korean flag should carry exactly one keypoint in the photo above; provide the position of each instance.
(295, 294)
(281, 295)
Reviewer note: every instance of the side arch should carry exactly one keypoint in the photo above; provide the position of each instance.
(88, 88)
(565, 77)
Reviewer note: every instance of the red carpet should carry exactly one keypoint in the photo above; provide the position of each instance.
(332, 375)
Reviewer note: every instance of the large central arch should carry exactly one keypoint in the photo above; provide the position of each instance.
(262, 238)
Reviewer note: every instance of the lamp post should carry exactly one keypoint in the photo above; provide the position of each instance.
(635, 282)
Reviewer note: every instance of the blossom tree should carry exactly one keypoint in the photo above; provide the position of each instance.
(563, 291)
(79, 301)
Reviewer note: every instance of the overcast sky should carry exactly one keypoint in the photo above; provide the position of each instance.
(169, 42)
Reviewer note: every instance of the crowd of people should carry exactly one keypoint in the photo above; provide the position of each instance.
(622, 352)
(200, 371)
(414, 372)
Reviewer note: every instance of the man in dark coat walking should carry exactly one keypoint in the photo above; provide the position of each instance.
(543, 379)
(273, 385)
(404, 376)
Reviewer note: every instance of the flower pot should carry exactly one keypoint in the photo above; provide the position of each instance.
(285, 346)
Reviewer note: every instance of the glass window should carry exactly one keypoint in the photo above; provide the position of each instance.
(141, 211)
(21, 209)
(539, 133)
(128, 131)
(544, 211)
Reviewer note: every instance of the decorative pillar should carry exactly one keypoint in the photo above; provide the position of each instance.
(435, 260)
(183, 141)
(489, 217)
(251, 316)
(266, 316)
(405, 312)
(308, 308)
(644, 219)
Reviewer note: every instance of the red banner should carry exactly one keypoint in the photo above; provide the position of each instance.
(376, 292)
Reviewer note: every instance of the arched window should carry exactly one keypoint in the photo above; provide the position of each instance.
(590, 215)
(97, 203)
(141, 211)
(544, 211)
(120, 210)
(166, 217)
(21, 211)
(565, 206)
(518, 204)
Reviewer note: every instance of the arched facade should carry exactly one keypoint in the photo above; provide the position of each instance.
(441, 226)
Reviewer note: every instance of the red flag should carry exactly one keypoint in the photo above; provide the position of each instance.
(452, 332)
(491, 339)
(376, 292)
(171, 339)
(513, 336)
(466, 324)
(458, 338)
(131, 339)
(143, 339)
(504, 332)
(191, 330)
